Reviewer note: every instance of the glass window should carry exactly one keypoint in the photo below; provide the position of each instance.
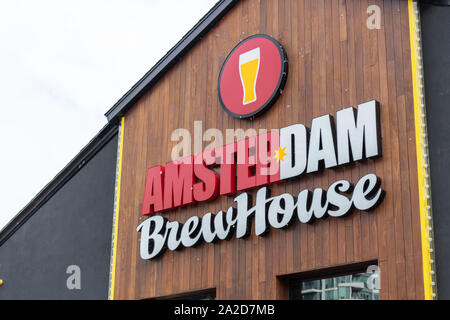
(352, 286)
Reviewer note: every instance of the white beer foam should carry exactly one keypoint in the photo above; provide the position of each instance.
(249, 56)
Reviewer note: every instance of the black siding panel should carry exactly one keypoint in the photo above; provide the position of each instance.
(72, 228)
(436, 54)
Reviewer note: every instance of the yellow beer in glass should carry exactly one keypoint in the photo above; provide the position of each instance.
(248, 70)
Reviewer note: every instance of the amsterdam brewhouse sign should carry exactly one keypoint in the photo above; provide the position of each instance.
(250, 81)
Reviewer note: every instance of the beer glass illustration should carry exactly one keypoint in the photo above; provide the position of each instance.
(248, 70)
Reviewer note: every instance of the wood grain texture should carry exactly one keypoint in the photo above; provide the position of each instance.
(335, 62)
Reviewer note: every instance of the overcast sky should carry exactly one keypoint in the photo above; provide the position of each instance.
(63, 64)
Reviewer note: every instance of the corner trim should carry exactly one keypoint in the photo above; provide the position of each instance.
(112, 271)
(423, 165)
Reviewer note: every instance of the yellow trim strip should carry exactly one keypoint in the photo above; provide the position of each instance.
(422, 160)
(116, 215)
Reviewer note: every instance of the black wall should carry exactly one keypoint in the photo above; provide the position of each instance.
(436, 61)
(72, 228)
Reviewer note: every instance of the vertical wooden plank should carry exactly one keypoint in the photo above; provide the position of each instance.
(335, 62)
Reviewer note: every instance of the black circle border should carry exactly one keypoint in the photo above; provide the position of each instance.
(278, 89)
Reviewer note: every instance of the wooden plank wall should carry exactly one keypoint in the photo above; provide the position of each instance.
(335, 62)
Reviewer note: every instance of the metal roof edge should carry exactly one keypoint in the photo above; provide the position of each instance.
(75, 165)
(169, 59)
(115, 113)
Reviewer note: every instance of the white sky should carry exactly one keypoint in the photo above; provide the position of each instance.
(63, 64)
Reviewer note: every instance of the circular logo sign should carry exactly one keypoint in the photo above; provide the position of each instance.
(252, 76)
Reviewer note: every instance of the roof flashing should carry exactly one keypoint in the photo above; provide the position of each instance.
(169, 59)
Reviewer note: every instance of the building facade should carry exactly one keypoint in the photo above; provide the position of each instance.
(290, 149)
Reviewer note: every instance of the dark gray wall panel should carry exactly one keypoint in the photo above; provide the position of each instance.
(72, 228)
(436, 54)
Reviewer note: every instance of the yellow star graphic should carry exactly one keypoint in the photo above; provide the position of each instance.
(280, 154)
